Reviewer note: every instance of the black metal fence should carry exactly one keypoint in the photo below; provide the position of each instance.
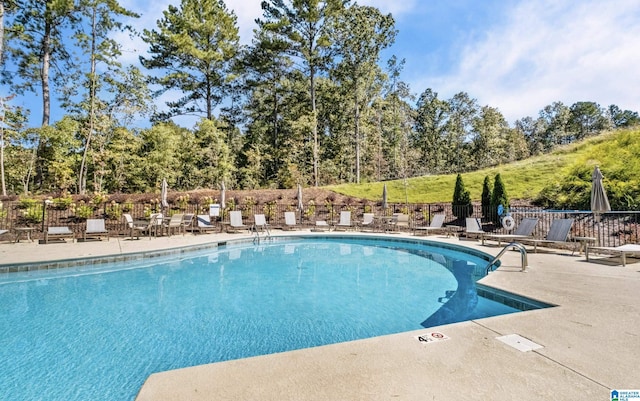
(612, 229)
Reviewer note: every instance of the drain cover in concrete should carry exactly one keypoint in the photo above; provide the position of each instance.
(520, 343)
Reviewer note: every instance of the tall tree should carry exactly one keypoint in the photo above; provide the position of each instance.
(11, 122)
(96, 40)
(37, 47)
(194, 47)
(360, 33)
(430, 131)
(303, 26)
(586, 119)
(620, 118)
(489, 134)
(555, 119)
(462, 112)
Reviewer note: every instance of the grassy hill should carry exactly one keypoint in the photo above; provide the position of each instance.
(551, 177)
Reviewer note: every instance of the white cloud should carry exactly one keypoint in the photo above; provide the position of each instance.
(397, 8)
(552, 51)
(247, 11)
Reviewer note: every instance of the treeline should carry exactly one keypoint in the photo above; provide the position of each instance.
(309, 102)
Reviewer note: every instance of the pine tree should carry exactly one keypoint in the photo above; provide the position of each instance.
(486, 198)
(461, 204)
(499, 196)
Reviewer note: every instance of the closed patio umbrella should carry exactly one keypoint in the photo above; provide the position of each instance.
(599, 200)
(300, 204)
(384, 197)
(163, 194)
(223, 195)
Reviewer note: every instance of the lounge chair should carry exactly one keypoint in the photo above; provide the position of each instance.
(558, 234)
(289, 221)
(95, 229)
(345, 220)
(368, 220)
(203, 224)
(436, 225)
(474, 228)
(623, 251)
(400, 220)
(175, 223)
(235, 222)
(321, 225)
(523, 231)
(58, 233)
(260, 224)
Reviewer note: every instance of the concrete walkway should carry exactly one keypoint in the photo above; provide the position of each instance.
(590, 340)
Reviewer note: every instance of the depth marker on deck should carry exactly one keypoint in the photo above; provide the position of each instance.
(431, 337)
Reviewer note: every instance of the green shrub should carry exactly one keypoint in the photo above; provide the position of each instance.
(486, 199)
(84, 211)
(127, 206)
(311, 209)
(461, 204)
(28, 203)
(62, 203)
(99, 198)
(113, 211)
(33, 214)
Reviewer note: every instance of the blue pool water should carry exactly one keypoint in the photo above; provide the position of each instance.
(89, 334)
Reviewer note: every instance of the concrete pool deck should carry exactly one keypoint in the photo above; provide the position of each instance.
(590, 340)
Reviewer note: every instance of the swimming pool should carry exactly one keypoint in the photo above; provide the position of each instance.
(91, 333)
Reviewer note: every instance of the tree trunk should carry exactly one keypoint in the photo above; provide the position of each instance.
(82, 179)
(312, 92)
(1, 33)
(4, 187)
(46, 64)
(356, 118)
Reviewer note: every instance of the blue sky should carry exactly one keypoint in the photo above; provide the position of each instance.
(515, 55)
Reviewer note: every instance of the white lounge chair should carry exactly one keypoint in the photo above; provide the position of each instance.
(95, 229)
(400, 220)
(289, 221)
(235, 221)
(203, 224)
(474, 228)
(321, 225)
(58, 233)
(622, 251)
(523, 231)
(345, 220)
(436, 225)
(368, 220)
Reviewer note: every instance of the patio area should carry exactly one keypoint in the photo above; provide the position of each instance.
(590, 342)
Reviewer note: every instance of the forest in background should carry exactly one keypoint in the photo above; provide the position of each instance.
(309, 102)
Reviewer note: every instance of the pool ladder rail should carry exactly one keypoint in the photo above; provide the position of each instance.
(257, 228)
(523, 256)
